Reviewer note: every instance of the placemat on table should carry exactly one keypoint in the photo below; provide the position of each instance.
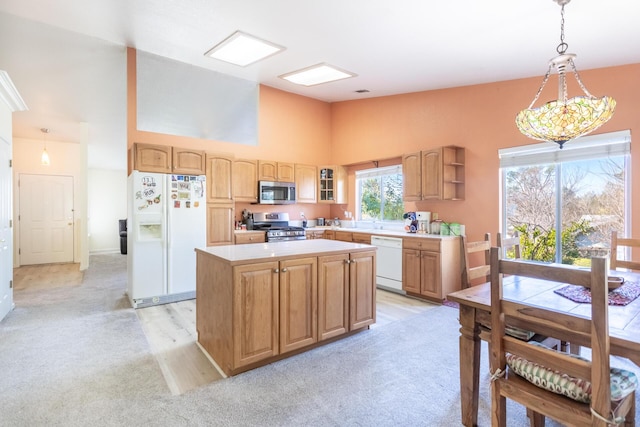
(620, 296)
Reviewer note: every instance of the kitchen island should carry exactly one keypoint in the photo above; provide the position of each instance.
(258, 303)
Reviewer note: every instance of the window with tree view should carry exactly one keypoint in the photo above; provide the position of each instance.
(379, 194)
(564, 204)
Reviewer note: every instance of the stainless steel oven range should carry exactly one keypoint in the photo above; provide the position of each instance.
(276, 225)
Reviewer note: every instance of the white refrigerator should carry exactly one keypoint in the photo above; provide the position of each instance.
(167, 220)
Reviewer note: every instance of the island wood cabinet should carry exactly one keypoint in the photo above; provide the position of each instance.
(434, 174)
(332, 184)
(306, 183)
(167, 159)
(346, 297)
(253, 313)
(274, 309)
(245, 180)
(431, 267)
(275, 171)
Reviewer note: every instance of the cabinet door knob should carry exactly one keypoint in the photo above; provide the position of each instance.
(284, 270)
(276, 270)
(417, 254)
(346, 261)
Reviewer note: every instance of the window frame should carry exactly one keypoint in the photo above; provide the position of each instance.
(612, 144)
(373, 173)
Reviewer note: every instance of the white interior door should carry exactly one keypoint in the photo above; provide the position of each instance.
(6, 246)
(46, 219)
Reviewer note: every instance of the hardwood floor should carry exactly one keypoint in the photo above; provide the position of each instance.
(170, 329)
(47, 276)
(171, 333)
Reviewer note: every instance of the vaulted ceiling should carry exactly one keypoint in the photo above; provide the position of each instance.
(393, 47)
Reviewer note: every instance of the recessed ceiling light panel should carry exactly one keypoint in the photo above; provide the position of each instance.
(317, 74)
(243, 49)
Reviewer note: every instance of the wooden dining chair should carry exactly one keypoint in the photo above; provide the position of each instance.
(470, 273)
(527, 373)
(626, 242)
(508, 244)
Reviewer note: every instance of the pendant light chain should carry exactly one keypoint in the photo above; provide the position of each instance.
(562, 47)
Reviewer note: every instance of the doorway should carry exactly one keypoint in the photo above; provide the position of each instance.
(46, 219)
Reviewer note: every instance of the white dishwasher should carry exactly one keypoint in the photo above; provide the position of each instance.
(388, 263)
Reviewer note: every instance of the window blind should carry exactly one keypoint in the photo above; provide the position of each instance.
(584, 148)
(374, 173)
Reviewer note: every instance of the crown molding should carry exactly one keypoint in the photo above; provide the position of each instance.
(9, 94)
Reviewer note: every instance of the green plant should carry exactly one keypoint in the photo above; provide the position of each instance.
(539, 244)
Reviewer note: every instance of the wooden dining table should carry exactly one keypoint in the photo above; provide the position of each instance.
(475, 311)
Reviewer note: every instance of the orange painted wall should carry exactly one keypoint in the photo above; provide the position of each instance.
(480, 118)
(292, 128)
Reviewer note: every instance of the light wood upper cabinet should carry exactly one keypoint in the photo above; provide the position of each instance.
(189, 162)
(275, 171)
(306, 183)
(152, 158)
(245, 180)
(219, 170)
(332, 184)
(432, 174)
(412, 176)
(453, 173)
(167, 159)
(437, 174)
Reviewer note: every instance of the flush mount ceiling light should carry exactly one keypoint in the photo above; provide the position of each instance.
(564, 119)
(243, 49)
(44, 159)
(317, 74)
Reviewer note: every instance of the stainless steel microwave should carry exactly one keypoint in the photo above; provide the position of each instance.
(276, 193)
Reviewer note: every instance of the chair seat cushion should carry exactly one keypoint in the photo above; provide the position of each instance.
(623, 382)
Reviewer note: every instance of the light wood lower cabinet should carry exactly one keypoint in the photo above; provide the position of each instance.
(257, 312)
(314, 234)
(245, 237)
(431, 267)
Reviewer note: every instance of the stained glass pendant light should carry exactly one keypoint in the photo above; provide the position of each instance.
(564, 119)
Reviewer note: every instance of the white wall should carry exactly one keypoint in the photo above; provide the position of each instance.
(107, 200)
(66, 159)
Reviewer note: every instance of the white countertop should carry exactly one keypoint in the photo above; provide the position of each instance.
(269, 251)
(378, 232)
